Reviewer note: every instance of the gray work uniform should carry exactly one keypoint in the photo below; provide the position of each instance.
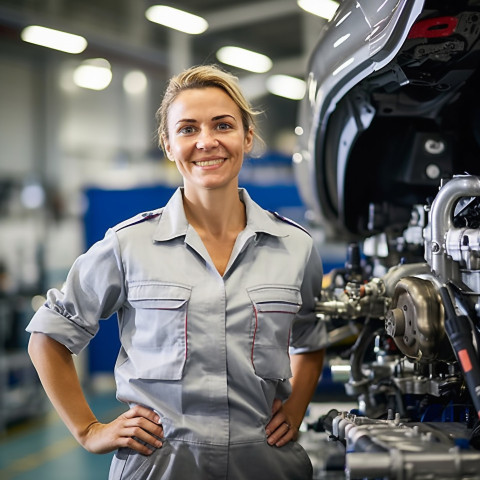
(208, 353)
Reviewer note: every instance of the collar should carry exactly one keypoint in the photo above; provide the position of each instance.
(173, 222)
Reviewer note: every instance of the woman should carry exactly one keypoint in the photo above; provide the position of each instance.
(206, 289)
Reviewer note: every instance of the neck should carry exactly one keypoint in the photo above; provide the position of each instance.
(216, 211)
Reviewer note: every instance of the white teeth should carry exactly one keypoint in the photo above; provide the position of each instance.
(208, 163)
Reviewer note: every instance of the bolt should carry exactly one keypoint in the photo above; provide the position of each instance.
(432, 171)
(434, 147)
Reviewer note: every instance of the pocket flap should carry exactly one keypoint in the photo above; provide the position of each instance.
(279, 298)
(157, 295)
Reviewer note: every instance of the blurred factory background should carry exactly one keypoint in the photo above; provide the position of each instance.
(79, 154)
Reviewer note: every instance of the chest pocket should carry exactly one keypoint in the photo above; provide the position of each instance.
(274, 308)
(159, 333)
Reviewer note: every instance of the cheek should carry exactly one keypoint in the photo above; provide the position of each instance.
(181, 157)
(177, 150)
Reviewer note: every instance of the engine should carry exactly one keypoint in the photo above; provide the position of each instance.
(415, 367)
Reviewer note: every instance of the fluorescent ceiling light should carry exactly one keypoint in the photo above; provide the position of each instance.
(94, 74)
(135, 82)
(47, 37)
(176, 19)
(245, 59)
(322, 8)
(286, 86)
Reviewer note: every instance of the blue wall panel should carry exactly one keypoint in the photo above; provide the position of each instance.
(106, 208)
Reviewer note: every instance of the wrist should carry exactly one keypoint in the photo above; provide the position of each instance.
(84, 433)
(294, 414)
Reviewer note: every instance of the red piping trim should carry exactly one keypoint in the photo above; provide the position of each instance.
(186, 339)
(254, 335)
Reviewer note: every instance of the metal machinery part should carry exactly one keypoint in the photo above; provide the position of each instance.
(415, 367)
(415, 319)
(405, 450)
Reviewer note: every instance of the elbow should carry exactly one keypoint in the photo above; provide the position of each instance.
(33, 344)
(36, 345)
(41, 345)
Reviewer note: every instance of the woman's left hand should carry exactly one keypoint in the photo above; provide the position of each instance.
(282, 427)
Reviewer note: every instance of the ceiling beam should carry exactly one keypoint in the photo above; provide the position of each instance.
(239, 15)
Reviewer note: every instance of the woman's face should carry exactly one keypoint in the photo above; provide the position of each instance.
(206, 138)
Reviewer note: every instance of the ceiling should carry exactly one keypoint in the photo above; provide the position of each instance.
(277, 28)
(119, 31)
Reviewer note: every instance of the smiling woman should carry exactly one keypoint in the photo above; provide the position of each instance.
(223, 394)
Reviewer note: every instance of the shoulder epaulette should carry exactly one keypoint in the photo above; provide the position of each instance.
(140, 218)
(290, 222)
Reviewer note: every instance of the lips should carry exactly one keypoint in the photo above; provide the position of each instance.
(209, 163)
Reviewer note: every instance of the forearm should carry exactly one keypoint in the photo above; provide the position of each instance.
(306, 370)
(55, 367)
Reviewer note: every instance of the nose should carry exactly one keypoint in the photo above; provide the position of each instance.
(206, 140)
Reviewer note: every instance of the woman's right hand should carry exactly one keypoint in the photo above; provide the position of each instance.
(137, 423)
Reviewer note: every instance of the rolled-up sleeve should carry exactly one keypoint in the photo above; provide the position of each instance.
(94, 290)
(308, 332)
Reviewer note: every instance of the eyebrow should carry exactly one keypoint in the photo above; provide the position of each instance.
(216, 118)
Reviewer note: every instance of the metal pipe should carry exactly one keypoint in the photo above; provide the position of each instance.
(441, 220)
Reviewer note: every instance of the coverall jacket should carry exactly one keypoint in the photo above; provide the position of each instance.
(208, 353)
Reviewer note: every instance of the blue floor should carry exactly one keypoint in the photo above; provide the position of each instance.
(44, 449)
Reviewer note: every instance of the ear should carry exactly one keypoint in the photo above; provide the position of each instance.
(166, 146)
(248, 141)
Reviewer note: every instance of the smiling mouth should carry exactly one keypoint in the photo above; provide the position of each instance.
(210, 163)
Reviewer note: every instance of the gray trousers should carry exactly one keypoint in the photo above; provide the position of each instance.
(178, 460)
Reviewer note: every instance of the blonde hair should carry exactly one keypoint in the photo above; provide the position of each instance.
(204, 76)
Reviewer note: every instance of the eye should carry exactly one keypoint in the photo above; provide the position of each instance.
(224, 126)
(186, 130)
